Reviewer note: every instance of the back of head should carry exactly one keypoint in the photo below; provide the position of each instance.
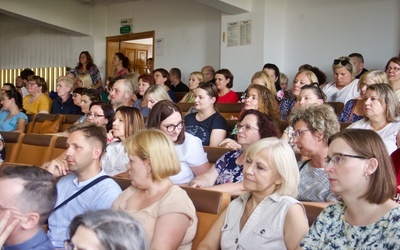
(39, 192)
(158, 148)
(281, 156)
(175, 72)
(133, 79)
(357, 55)
(367, 143)
(26, 73)
(92, 94)
(86, 80)
(115, 230)
(92, 132)
(158, 92)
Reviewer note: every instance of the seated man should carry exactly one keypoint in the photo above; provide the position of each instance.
(86, 143)
(27, 197)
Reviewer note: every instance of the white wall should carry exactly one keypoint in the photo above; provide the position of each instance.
(190, 31)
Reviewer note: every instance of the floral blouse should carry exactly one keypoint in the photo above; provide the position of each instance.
(347, 114)
(228, 170)
(286, 106)
(331, 231)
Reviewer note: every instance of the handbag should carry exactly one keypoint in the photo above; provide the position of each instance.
(52, 126)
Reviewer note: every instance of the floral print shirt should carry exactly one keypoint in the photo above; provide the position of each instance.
(228, 170)
(331, 231)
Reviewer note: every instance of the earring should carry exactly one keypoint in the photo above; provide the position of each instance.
(149, 171)
(366, 176)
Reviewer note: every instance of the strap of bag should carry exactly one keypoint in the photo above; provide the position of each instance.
(91, 184)
(303, 164)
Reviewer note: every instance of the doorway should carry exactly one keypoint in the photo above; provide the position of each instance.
(137, 47)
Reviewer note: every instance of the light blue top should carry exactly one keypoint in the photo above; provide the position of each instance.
(39, 241)
(11, 123)
(100, 196)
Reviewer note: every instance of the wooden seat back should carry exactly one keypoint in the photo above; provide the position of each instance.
(13, 142)
(35, 149)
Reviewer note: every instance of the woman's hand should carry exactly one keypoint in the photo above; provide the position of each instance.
(229, 143)
(110, 137)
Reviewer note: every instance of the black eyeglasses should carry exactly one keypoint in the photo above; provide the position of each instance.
(171, 128)
(337, 159)
(94, 115)
(342, 62)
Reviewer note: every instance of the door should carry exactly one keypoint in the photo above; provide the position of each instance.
(137, 54)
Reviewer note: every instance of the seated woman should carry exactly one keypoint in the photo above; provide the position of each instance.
(226, 175)
(127, 121)
(101, 114)
(267, 216)
(207, 123)
(313, 125)
(195, 79)
(224, 83)
(88, 96)
(106, 229)
(37, 101)
(154, 94)
(145, 81)
(262, 78)
(167, 117)
(161, 76)
(259, 98)
(12, 116)
(302, 78)
(164, 209)
(353, 110)
(361, 174)
(83, 80)
(382, 111)
(392, 72)
(64, 104)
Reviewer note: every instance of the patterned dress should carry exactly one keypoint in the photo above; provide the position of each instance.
(228, 170)
(331, 231)
(347, 114)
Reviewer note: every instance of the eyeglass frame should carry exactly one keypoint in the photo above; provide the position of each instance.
(246, 127)
(395, 69)
(177, 126)
(327, 160)
(299, 132)
(94, 115)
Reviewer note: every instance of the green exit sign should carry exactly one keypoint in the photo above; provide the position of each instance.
(125, 29)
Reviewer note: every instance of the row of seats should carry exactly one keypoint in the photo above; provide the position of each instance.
(35, 121)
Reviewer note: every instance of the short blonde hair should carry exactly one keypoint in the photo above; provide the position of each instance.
(281, 156)
(199, 75)
(376, 75)
(266, 80)
(310, 75)
(86, 80)
(158, 92)
(154, 145)
(349, 65)
(68, 82)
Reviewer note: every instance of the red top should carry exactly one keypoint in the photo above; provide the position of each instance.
(231, 96)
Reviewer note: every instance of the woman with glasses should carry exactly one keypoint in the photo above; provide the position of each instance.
(313, 125)
(382, 111)
(226, 175)
(12, 116)
(161, 77)
(101, 114)
(167, 117)
(207, 124)
(360, 172)
(37, 101)
(165, 210)
(354, 109)
(107, 230)
(259, 98)
(267, 216)
(127, 121)
(393, 73)
(345, 86)
(302, 78)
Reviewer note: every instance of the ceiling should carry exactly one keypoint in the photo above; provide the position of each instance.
(106, 2)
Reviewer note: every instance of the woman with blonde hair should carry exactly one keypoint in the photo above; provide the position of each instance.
(195, 79)
(262, 78)
(84, 81)
(133, 77)
(354, 109)
(267, 216)
(154, 94)
(382, 111)
(344, 88)
(165, 211)
(303, 77)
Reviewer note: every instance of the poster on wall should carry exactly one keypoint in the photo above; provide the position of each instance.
(233, 34)
(159, 46)
(245, 32)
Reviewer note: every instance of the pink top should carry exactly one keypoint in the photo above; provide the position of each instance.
(231, 96)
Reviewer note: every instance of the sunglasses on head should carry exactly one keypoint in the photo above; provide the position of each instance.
(342, 62)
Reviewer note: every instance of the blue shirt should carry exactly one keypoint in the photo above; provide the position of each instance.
(38, 242)
(67, 107)
(100, 196)
(11, 123)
